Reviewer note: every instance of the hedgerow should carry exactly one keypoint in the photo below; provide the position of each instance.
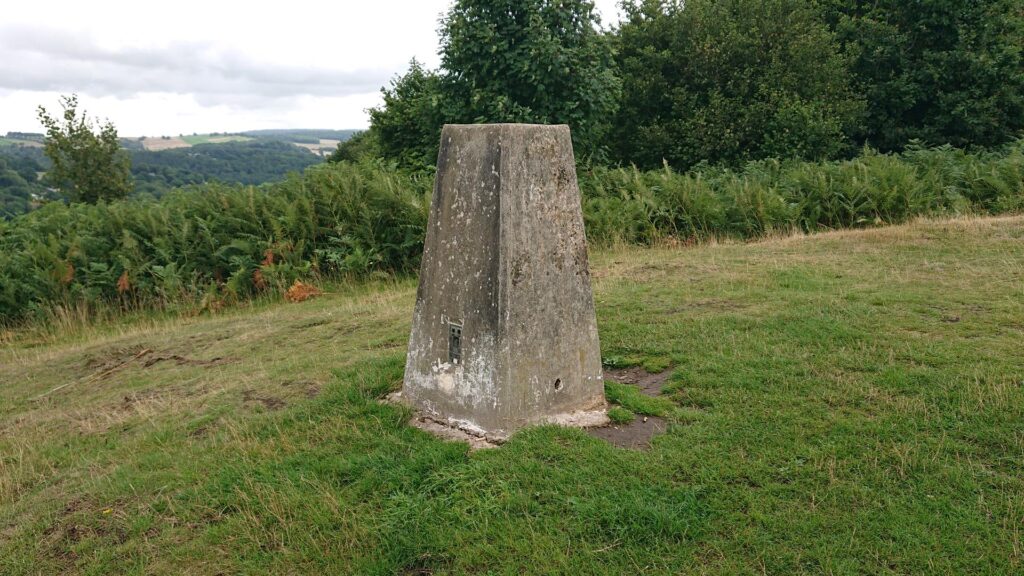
(211, 245)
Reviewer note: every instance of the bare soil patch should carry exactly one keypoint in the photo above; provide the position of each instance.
(66, 531)
(268, 402)
(649, 384)
(716, 304)
(114, 359)
(636, 435)
(105, 364)
(185, 361)
(309, 388)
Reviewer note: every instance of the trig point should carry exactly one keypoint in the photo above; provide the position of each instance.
(504, 333)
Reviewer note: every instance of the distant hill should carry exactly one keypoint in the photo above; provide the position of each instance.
(244, 162)
(28, 139)
(162, 164)
(316, 140)
(301, 134)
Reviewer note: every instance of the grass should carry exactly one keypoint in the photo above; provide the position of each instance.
(620, 415)
(847, 403)
(630, 398)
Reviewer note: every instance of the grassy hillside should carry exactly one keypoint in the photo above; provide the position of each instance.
(306, 138)
(847, 403)
(244, 162)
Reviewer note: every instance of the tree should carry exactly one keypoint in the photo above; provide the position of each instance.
(87, 166)
(939, 71)
(407, 128)
(727, 81)
(542, 61)
(363, 144)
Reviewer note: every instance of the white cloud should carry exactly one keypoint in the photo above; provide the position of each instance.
(200, 66)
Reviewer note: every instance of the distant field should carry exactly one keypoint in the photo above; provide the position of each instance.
(12, 142)
(325, 145)
(211, 139)
(843, 403)
(156, 144)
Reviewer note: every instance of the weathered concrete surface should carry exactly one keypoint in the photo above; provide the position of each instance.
(504, 333)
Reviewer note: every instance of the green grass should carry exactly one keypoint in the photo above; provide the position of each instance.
(630, 398)
(620, 415)
(849, 403)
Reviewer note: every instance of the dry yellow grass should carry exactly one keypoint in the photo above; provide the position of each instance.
(156, 144)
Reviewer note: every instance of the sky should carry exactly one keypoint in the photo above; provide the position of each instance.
(169, 68)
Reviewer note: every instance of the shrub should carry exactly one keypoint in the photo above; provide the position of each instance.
(214, 244)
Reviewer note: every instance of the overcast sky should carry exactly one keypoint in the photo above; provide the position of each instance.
(164, 68)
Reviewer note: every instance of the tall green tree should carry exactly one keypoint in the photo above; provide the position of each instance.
(940, 71)
(88, 162)
(726, 81)
(541, 61)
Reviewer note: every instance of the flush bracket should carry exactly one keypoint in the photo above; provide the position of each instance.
(454, 343)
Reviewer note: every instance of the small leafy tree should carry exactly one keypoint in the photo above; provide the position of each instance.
(361, 145)
(88, 166)
(408, 125)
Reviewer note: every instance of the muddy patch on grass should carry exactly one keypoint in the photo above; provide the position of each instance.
(180, 360)
(103, 365)
(718, 305)
(310, 324)
(650, 384)
(636, 435)
(113, 358)
(112, 361)
(308, 388)
(268, 402)
(72, 526)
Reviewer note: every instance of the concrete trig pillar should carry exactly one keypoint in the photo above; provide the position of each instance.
(504, 333)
